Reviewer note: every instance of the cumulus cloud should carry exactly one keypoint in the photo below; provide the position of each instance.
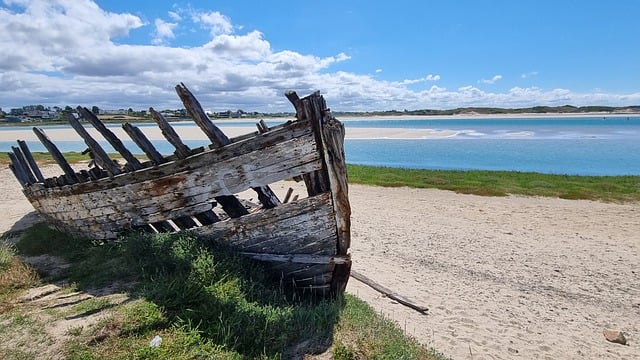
(492, 80)
(431, 77)
(72, 52)
(164, 31)
(214, 21)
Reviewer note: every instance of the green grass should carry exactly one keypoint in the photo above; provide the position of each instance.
(45, 158)
(206, 302)
(502, 183)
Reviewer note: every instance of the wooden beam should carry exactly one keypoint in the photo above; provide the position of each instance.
(182, 150)
(99, 155)
(32, 163)
(141, 140)
(298, 258)
(56, 154)
(18, 170)
(117, 144)
(22, 162)
(215, 135)
(266, 196)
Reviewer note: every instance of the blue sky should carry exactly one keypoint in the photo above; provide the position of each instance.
(362, 55)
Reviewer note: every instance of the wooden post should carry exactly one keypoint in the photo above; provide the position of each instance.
(22, 162)
(19, 171)
(182, 150)
(19, 176)
(306, 108)
(57, 155)
(32, 163)
(111, 138)
(215, 135)
(141, 140)
(99, 155)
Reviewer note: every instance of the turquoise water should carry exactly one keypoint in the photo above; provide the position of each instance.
(580, 146)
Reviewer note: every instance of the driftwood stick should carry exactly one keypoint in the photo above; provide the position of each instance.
(111, 138)
(99, 155)
(182, 150)
(143, 142)
(57, 155)
(32, 163)
(388, 292)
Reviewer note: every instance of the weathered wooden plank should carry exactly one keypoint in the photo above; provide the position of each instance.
(298, 258)
(98, 154)
(333, 138)
(190, 188)
(182, 150)
(32, 163)
(117, 144)
(18, 159)
(141, 140)
(285, 160)
(291, 219)
(55, 153)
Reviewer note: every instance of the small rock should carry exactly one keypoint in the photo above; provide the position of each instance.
(615, 336)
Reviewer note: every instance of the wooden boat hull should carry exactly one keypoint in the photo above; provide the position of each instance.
(305, 241)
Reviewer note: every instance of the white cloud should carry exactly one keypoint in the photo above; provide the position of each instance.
(163, 31)
(492, 80)
(174, 16)
(214, 21)
(529, 74)
(63, 52)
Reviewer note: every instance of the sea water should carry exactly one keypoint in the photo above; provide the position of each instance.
(560, 145)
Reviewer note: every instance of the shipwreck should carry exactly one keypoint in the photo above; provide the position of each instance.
(303, 240)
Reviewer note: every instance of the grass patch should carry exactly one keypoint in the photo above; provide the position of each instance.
(44, 158)
(502, 183)
(205, 301)
(15, 276)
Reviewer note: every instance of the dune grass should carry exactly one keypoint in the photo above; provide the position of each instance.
(502, 183)
(205, 301)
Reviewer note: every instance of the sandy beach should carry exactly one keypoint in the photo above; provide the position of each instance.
(503, 277)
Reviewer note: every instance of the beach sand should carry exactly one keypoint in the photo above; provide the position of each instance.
(503, 277)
